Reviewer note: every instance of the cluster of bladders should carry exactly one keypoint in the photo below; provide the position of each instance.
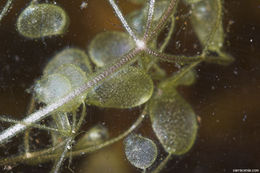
(173, 119)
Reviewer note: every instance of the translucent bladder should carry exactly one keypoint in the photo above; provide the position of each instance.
(41, 20)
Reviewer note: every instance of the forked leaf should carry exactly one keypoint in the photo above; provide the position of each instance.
(106, 47)
(140, 151)
(40, 20)
(127, 88)
(173, 121)
(68, 56)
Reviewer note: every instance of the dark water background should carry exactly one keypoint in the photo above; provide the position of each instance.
(225, 97)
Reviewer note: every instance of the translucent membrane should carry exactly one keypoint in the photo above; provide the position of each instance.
(192, 1)
(127, 88)
(77, 78)
(159, 8)
(40, 20)
(106, 47)
(68, 56)
(140, 151)
(51, 88)
(137, 19)
(187, 79)
(94, 136)
(203, 18)
(173, 121)
(74, 74)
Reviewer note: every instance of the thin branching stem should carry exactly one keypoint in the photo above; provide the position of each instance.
(163, 20)
(123, 21)
(162, 164)
(169, 35)
(38, 126)
(62, 157)
(82, 117)
(94, 81)
(26, 139)
(31, 157)
(97, 79)
(215, 28)
(149, 18)
(179, 75)
(5, 9)
(172, 58)
(45, 155)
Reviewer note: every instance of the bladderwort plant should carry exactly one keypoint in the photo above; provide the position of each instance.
(127, 64)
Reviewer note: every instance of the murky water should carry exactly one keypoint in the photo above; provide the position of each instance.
(226, 98)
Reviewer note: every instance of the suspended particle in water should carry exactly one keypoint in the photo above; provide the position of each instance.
(41, 20)
(140, 151)
(83, 5)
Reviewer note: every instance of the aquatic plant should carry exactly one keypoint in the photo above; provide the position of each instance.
(127, 74)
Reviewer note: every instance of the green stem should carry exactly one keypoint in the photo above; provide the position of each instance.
(214, 30)
(162, 164)
(169, 35)
(45, 155)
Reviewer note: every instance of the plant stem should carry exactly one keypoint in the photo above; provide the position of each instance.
(163, 20)
(59, 162)
(172, 58)
(123, 21)
(43, 156)
(43, 113)
(149, 18)
(213, 31)
(162, 164)
(5, 9)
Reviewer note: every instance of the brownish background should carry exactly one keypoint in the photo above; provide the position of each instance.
(226, 98)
